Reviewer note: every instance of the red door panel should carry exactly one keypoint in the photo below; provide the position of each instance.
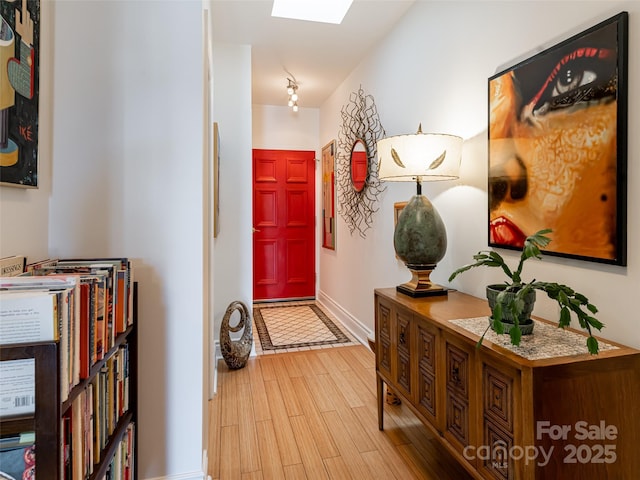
(296, 271)
(297, 171)
(265, 212)
(265, 170)
(284, 223)
(266, 270)
(296, 213)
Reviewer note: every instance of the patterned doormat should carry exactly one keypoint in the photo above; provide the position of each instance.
(293, 326)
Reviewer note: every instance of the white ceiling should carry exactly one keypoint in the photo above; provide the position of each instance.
(318, 55)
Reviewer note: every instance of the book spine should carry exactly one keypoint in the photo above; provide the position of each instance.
(64, 348)
(84, 331)
(121, 304)
(93, 319)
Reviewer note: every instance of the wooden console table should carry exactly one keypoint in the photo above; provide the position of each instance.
(543, 410)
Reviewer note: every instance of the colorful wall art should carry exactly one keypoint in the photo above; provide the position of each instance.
(558, 146)
(19, 85)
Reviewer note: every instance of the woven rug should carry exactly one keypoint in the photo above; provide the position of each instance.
(280, 327)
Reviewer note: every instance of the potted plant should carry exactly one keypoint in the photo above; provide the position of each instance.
(512, 302)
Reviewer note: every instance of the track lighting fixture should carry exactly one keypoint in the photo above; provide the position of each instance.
(292, 91)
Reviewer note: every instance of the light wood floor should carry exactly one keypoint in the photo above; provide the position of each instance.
(313, 414)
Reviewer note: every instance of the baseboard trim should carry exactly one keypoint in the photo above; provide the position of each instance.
(351, 323)
(205, 461)
(183, 476)
(217, 352)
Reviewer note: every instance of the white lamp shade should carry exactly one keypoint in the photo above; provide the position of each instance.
(430, 156)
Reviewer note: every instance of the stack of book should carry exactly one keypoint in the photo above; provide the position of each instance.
(88, 423)
(122, 465)
(82, 303)
(86, 305)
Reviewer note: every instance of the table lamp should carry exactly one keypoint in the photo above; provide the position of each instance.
(420, 238)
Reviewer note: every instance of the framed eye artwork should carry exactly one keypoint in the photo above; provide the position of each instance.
(557, 140)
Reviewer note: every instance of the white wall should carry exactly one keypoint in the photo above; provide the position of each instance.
(233, 265)
(433, 68)
(278, 127)
(126, 181)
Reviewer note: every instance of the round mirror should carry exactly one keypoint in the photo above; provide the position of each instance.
(359, 165)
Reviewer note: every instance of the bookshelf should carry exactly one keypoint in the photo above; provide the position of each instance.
(50, 413)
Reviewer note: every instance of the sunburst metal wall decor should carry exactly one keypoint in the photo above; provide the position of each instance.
(360, 121)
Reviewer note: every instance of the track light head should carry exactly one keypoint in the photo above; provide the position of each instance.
(292, 91)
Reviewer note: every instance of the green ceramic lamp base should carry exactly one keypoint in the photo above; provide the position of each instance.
(420, 240)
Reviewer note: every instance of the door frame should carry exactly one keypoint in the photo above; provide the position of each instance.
(316, 239)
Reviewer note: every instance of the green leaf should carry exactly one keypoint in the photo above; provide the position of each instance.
(500, 296)
(517, 306)
(562, 298)
(497, 310)
(565, 317)
(459, 271)
(496, 256)
(595, 323)
(498, 326)
(592, 345)
(530, 250)
(540, 238)
(583, 300)
(515, 335)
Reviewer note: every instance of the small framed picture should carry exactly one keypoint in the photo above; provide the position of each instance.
(329, 195)
(397, 208)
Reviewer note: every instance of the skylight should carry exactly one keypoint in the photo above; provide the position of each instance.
(324, 11)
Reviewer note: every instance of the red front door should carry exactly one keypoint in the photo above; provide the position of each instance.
(284, 224)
